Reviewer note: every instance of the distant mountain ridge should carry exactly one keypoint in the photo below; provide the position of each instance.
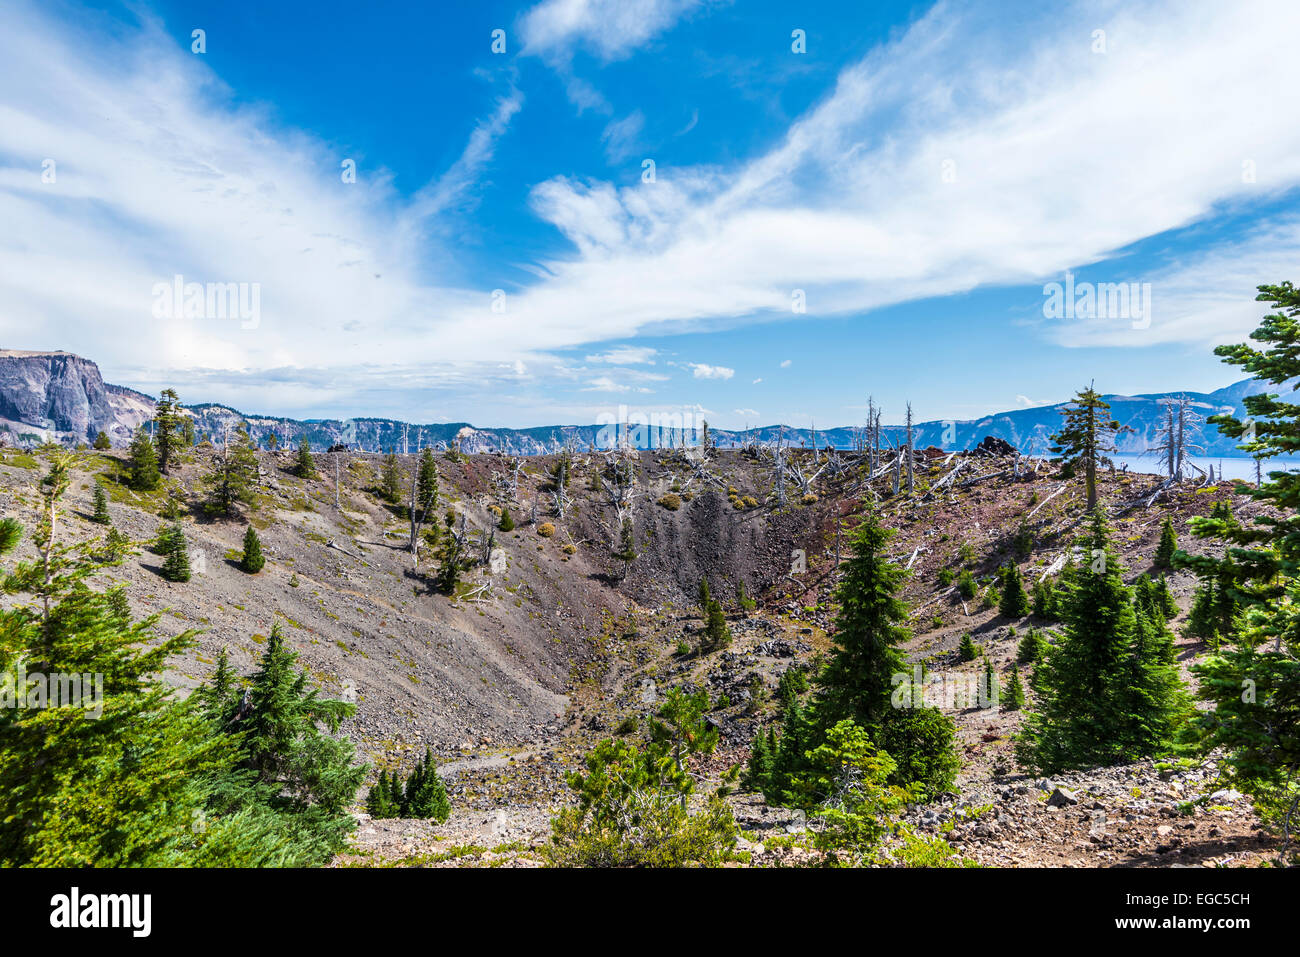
(62, 397)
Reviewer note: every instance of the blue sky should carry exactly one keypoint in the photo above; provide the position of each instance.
(917, 175)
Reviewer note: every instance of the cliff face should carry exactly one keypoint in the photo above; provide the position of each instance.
(53, 392)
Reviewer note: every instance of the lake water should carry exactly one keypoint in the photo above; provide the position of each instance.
(1230, 467)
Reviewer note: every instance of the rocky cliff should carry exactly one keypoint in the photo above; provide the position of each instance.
(53, 392)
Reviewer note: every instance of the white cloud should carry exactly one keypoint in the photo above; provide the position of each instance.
(785, 363)
(751, 412)
(611, 29)
(622, 137)
(1207, 298)
(756, 381)
(626, 355)
(605, 384)
(703, 371)
(460, 178)
(1060, 158)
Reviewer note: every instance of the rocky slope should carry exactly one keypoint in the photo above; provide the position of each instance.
(553, 644)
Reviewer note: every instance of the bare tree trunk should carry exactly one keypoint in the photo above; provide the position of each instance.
(910, 451)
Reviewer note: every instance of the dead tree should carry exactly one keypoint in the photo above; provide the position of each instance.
(778, 457)
(1177, 436)
(911, 452)
(560, 495)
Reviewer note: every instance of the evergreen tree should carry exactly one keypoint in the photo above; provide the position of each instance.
(1254, 684)
(253, 561)
(507, 524)
(789, 757)
(449, 572)
(1165, 599)
(100, 509)
(167, 429)
(143, 462)
(1086, 436)
(967, 650)
(102, 441)
(857, 681)
(758, 770)
(175, 552)
(232, 478)
(716, 633)
(705, 596)
(1013, 603)
(116, 547)
(283, 741)
(1093, 704)
(425, 795)
(681, 729)
(1168, 545)
(966, 586)
(379, 802)
(114, 776)
(1046, 603)
(992, 687)
(391, 479)
(427, 496)
(1032, 647)
(305, 466)
(626, 545)
(1014, 699)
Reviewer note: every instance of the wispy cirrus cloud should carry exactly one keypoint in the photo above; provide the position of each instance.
(954, 157)
(609, 29)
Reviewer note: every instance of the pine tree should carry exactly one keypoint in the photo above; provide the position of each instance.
(682, 729)
(1045, 600)
(1165, 599)
(857, 680)
(449, 572)
(232, 477)
(102, 441)
(966, 586)
(1014, 699)
(758, 770)
(992, 687)
(507, 524)
(716, 633)
(626, 545)
(284, 742)
(379, 802)
(1032, 647)
(425, 795)
(391, 479)
(252, 561)
(1168, 545)
(167, 429)
(116, 547)
(705, 596)
(1086, 436)
(176, 557)
(1014, 603)
(1254, 587)
(100, 514)
(967, 650)
(76, 791)
(143, 462)
(305, 466)
(1091, 709)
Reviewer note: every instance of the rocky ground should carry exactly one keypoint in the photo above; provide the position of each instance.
(510, 685)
